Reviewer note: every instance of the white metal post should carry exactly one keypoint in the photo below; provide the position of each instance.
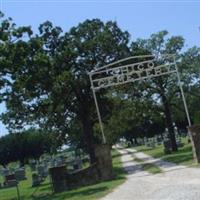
(182, 94)
(98, 112)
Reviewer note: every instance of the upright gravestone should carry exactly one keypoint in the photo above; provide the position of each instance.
(77, 163)
(32, 166)
(167, 146)
(58, 178)
(5, 172)
(20, 174)
(42, 171)
(10, 180)
(36, 179)
(158, 140)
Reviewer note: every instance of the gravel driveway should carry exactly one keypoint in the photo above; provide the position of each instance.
(175, 183)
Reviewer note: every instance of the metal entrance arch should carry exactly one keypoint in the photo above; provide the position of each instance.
(133, 69)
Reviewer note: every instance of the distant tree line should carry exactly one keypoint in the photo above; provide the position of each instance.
(23, 146)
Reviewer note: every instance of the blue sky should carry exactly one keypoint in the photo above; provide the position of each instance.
(139, 18)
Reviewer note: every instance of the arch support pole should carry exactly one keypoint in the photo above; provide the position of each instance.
(183, 95)
(98, 112)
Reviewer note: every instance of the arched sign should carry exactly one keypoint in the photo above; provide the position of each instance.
(133, 69)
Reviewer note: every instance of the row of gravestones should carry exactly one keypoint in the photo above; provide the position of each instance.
(157, 140)
(43, 165)
(48, 162)
(153, 142)
(12, 177)
(41, 170)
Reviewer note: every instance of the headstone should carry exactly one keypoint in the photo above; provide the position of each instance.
(20, 174)
(58, 178)
(167, 146)
(183, 133)
(11, 183)
(11, 170)
(153, 142)
(5, 172)
(10, 180)
(36, 179)
(32, 166)
(145, 141)
(178, 142)
(77, 164)
(85, 160)
(62, 160)
(150, 142)
(42, 171)
(58, 162)
(53, 163)
(9, 177)
(159, 140)
(166, 134)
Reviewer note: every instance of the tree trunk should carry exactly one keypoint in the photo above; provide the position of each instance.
(84, 116)
(4, 166)
(22, 162)
(89, 139)
(169, 122)
(135, 140)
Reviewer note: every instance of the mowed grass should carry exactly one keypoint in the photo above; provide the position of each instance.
(44, 191)
(183, 156)
(25, 189)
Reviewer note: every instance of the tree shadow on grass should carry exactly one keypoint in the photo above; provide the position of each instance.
(119, 155)
(119, 173)
(79, 193)
(87, 191)
(47, 187)
(180, 158)
(184, 154)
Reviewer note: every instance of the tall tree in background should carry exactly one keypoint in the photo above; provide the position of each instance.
(49, 83)
(133, 118)
(190, 72)
(165, 87)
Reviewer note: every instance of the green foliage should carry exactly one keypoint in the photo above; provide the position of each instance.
(190, 71)
(25, 145)
(163, 88)
(133, 118)
(197, 118)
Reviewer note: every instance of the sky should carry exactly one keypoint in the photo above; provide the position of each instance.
(140, 18)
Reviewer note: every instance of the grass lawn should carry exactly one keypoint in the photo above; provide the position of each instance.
(183, 156)
(43, 192)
